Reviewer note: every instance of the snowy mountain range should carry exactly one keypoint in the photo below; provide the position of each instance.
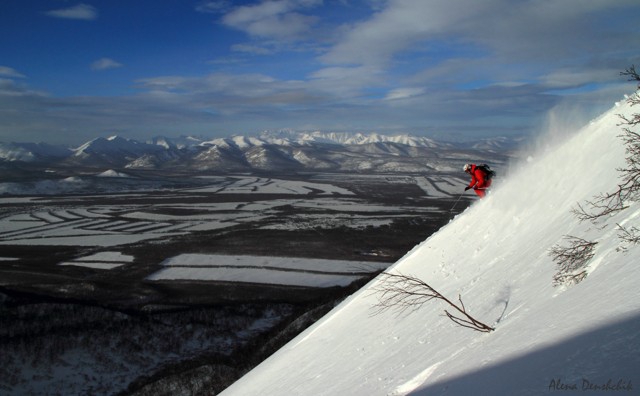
(495, 261)
(270, 151)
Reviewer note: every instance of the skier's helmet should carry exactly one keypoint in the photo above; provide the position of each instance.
(467, 167)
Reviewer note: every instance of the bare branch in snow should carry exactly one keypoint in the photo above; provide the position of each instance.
(572, 260)
(407, 292)
(629, 187)
(629, 235)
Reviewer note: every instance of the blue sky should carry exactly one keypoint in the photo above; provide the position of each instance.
(71, 71)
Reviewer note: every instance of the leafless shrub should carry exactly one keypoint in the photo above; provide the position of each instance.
(602, 205)
(630, 175)
(632, 74)
(407, 292)
(572, 260)
(629, 235)
(629, 187)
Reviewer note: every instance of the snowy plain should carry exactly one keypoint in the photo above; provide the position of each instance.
(582, 338)
(90, 224)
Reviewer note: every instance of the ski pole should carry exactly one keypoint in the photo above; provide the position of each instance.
(455, 203)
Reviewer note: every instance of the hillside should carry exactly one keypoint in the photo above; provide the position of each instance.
(495, 255)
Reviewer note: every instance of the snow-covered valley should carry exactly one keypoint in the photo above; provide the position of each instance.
(117, 281)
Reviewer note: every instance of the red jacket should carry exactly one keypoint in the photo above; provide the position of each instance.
(478, 178)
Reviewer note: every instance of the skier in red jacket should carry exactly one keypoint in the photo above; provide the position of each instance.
(479, 180)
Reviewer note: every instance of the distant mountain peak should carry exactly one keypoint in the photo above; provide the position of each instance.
(350, 138)
(277, 151)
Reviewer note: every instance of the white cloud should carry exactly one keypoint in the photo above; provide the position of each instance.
(346, 82)
(9, 72)
(105, 64)
(492, 58)
(80, 11)
(224, 89)
(9, 88)
(213, 7)
(505, 30)
(394, 29)
(404, 93)
(570, 78)
(276, 19)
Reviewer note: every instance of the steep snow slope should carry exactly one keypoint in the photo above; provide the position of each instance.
(495, 255)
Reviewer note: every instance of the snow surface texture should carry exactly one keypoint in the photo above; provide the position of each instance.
(496, 256)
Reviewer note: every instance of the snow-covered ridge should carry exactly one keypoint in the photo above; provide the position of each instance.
(288, 138)
(113, 173)
(282, 151)
(114, 144)
(495, 256)
(30, 152)
(346, 138)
